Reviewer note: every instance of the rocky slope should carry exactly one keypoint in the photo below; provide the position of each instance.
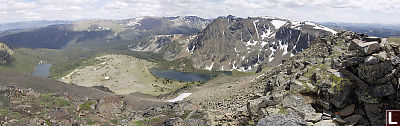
(231, 43)
(346, 79)
(5, 54)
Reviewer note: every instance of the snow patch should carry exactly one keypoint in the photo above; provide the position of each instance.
(263, 43)
(211, 66)
(284, 47)
(236, 50)
(180, 97)
(320, 27)
(255, 27)
(135, 21)
(278, 23)
(268, 34)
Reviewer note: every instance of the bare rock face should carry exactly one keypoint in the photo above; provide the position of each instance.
(297, 103)
(291, 119)
(5, 54)
(348, 110)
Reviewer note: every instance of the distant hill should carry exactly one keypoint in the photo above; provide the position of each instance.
(100, 33)
(379, 30)
(29, 25)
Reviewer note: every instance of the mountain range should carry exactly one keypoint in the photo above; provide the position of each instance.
(269, 71)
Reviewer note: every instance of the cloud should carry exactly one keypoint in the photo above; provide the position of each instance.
(375, 11)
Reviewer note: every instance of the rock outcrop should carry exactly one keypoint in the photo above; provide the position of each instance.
(5, 54)
(345, 79)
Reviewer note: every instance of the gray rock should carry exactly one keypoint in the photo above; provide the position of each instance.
(375, 114)
(363, 96)
(353, 61)
(395, 59)
(270, 101)
(291, 119)
(297, 103)
(323, 94)
(339, 120)
(372, 38)
(327, 113)
(326, 123)
(324, 117)
(360, 83)
(371, 60)
(348, 110)
(173, 122)
(372, 73)
(353, 120)
(382, 55)
(297, 86)
(364, 47)
(381, 90)
(313, 117)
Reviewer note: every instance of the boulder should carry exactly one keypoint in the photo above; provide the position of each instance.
(323, 94)
(371, 60)
(348, 110)
(363, 96)
(340, 91)
(326, 123)
(372, 73)
(339, 120)
(290, 119)
(382, 55)
(353, 120)
(353, 61)
(173, 122)
(360, 83)
(372, 38)
(375, 113)
(381, 90)
(374, 93)
(395, 59)
(297, 103)
(297, 86)
(313, 117)
(364, 47)
(254, 106)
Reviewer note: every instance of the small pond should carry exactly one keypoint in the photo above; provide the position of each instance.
(185, 76)
(42, 70)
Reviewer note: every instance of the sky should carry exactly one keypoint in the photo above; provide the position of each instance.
(349, 11)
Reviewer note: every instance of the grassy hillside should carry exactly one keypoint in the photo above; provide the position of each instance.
(395, 39)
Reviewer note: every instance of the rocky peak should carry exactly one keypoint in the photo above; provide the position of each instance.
(231, 43)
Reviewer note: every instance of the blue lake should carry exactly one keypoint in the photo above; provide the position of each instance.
(184, 76)
(42, 70)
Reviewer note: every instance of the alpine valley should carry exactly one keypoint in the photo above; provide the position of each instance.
(195, 71)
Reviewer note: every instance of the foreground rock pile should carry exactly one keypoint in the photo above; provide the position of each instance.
(347, 79)
(22, 107)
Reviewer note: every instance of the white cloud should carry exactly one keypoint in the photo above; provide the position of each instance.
(386, 11)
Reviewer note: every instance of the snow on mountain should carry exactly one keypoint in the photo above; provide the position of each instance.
(135, 21)
(278, 23)
(244, 44)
